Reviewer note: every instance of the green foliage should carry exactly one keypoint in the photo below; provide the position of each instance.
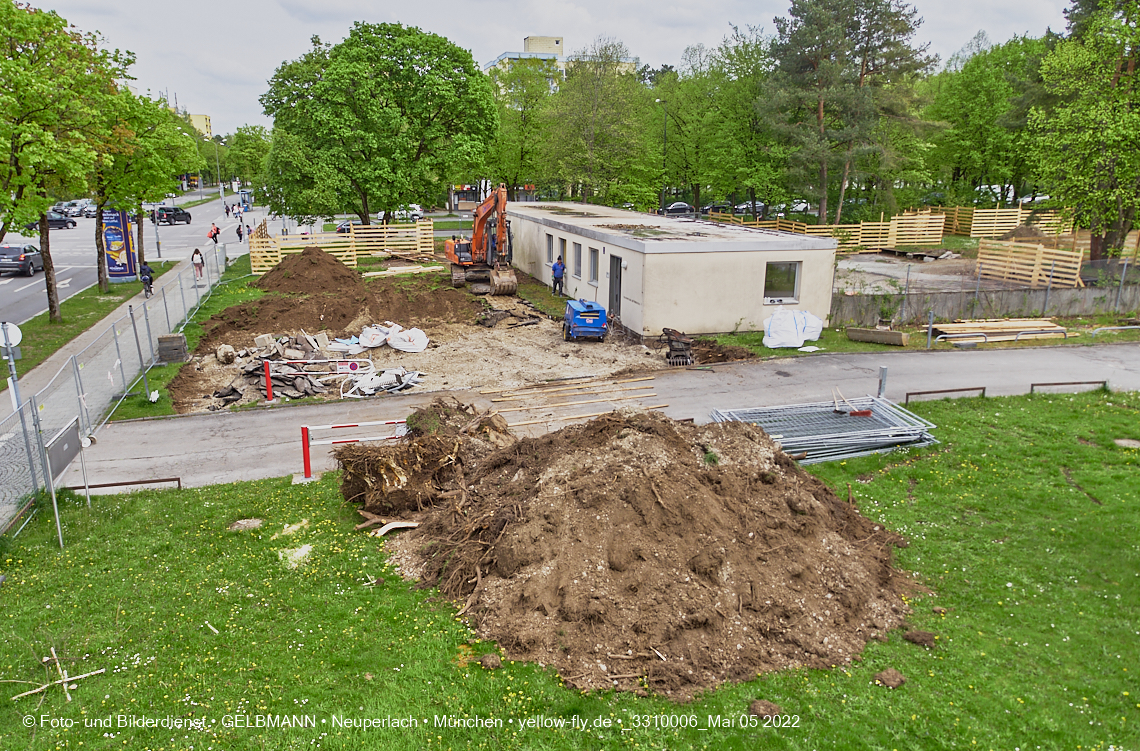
(1087, 146)
(53, 79)
(384, 118)
(522, 95)
(248, 148)
(596, 139)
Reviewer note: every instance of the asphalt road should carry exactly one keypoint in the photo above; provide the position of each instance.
(211, 448)
(73, 251)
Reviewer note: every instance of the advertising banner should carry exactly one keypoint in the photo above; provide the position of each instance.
(119, 247)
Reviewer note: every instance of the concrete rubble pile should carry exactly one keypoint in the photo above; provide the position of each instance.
(305, 365)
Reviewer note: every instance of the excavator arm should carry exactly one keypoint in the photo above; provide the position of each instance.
(489, 250)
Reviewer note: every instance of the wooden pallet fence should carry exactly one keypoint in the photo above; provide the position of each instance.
(1028, 265)
(907, 229)
(266, 251)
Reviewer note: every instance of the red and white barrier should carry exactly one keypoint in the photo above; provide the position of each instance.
(307, 441)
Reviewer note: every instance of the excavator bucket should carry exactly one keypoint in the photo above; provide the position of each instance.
(503, 281)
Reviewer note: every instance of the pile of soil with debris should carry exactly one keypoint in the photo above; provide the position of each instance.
(709, 351)
(632, 547)
(312, 271)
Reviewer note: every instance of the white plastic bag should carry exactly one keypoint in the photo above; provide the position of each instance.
(373, 336)
(791, 328)
(407, 340)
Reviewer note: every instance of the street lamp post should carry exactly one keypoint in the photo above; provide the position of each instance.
(218, 164)
(664, 151)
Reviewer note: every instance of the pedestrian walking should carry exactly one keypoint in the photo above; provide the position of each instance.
(199, 262)
(213, 233)
(248, 233)
(227, 211)
(239, 231)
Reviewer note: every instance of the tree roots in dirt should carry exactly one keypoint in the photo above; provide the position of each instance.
(632, 551)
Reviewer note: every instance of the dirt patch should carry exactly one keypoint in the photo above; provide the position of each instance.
(316, 292)
(634, 548)
(708, 351)
(1022, 230)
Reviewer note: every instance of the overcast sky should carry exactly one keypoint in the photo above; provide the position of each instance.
(216, 57)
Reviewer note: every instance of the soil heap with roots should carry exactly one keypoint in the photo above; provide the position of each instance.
(633, 550)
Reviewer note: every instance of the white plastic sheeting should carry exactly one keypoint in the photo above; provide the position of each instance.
(791, 328)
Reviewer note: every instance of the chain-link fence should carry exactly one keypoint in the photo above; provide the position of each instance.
(96, 380)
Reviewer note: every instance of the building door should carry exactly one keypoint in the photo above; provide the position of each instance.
(615, 286)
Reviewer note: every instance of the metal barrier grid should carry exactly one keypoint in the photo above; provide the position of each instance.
(96, 379)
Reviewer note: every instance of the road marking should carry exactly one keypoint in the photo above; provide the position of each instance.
(5, 281)
(29, 284)
(63, 283)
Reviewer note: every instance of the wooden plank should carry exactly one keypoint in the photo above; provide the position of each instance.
(879, 336)
(403, 270)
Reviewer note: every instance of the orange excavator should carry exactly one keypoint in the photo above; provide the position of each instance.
(486, 257)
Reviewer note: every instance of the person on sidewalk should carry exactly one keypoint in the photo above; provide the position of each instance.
(227, 211)
(213, 233)
(199, 262)
(558, 271)
(239, 231)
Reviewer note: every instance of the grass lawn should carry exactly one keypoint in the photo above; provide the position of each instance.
(442, 224)
(1022, 523)
(233, 291)
(42, 339)
(835, 339)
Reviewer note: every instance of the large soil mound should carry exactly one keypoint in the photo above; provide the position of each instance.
(633, 547)
(311, 271)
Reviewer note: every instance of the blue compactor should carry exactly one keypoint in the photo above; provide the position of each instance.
(584, 318)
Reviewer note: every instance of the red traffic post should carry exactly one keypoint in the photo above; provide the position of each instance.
(305, 451)
(268, 384)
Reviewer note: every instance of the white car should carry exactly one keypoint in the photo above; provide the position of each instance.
(412, 211)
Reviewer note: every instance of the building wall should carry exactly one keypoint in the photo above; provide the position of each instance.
(695, 292)
(543, 44)
(201, 123)
(724, 291)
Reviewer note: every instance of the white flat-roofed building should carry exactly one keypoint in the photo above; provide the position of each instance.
(656, 272)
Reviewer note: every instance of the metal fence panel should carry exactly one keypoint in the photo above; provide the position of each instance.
(96, 379)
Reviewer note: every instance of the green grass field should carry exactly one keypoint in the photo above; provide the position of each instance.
(1022, 523)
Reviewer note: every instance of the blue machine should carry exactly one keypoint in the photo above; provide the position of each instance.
(584, 318)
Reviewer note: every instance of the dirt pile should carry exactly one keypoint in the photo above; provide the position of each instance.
(313, 271)
(633, 548)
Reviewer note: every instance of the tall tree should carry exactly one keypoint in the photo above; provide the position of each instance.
(982, 143)
(522, 95)
(596, 140)
(142, 149)
(385, 117)
(1088, 145)
(694, 112)
(748, 152)
(52, 78)
(248, 147)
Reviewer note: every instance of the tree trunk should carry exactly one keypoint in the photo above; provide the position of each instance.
(101, 250)
(1117, 234)
(141, 252)
(697, 197)
(843, 186)
(54, 314)
(1096, 246)
(822, 214)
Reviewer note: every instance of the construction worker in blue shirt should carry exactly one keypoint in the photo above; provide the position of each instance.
(558, 271)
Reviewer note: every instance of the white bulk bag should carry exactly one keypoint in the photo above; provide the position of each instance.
(409, 340)
(791, 328)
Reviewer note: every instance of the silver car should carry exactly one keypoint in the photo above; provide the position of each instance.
(21, 259)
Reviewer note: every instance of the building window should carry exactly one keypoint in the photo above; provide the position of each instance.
(562, 248)
(550, 248)
(782, 283)
(578, 260)
(593, 265)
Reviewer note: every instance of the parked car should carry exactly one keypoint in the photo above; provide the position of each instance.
(55, 221)
(678, 207)
(344, 227)
(170, 215)
(412, 211)
(21, 259)
(90, 210)
(746, 208)
(720, 207)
